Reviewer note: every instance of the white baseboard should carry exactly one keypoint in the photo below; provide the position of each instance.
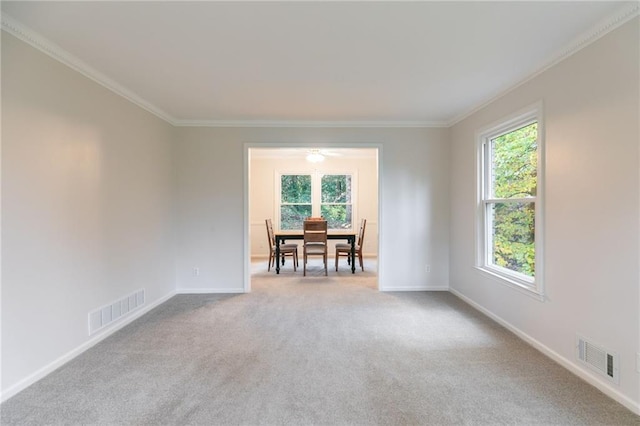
(564, 362)
(100, 336)
(416, 288)
(209, 290)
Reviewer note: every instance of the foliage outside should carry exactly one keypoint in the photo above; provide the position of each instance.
(291, 217)
(514, 162)
(295, 189)
(296, 201)
(336, 201)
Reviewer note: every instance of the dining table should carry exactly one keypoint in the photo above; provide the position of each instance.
(282, 236)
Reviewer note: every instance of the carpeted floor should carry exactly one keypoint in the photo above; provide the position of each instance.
(313, 350)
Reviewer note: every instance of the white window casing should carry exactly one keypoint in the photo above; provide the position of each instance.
(486, 200)
(316, 192)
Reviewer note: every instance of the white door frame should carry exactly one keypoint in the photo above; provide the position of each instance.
(247, 170)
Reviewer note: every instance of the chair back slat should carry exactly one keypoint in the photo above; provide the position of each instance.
(363, 224)
(270, 234)
(315, 242)
(315, 231)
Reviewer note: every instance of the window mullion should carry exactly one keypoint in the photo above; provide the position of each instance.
(510, 200)
(316, 194)
(508, 228)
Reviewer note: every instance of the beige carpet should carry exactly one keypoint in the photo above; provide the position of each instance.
(313, 350)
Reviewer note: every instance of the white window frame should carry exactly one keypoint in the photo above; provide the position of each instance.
(533, 286)
(350, 203)
(278, 194)
(316, 192)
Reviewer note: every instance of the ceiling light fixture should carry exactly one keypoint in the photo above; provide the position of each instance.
(315, 157)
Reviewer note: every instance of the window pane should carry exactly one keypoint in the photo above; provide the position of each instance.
(514, 161)
(512, 243)
(291, 216)
(295, 189)
(338, 216)
(336, 189)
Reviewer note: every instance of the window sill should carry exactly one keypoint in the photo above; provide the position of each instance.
(529, 290)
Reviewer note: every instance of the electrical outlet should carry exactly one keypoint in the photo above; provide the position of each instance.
(196, 272)
(427, 268)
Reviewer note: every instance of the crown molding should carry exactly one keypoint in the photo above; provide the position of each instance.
(12, 26)
(31, 37)
(309, 124)
(600, 29)
(27, 35)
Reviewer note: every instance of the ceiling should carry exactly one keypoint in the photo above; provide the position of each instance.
(269, 63)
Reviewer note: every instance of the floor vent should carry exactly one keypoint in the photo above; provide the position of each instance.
(598, 359)
(102, 317)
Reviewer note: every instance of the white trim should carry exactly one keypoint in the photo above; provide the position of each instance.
(316, 191)
(1, 221)
(355, 193)
(576, 369)
(511, 120)
(210, 290)
(516, 285)
(509, 200)
(379, 247)
(277, 193)
(246, 227)
(29, 36)
(99, 336)
(275, 145)
(602, 28)
(416, 288)
(309, 123)
(54, 51)
(51, 49)
(524, 116)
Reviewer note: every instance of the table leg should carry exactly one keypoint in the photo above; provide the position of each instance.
(277, 262)
(353, 255)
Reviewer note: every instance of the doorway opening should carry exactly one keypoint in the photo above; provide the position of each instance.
(315, 172)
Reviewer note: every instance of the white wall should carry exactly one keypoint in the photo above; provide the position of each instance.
(86, 208)
(264, 197)
(414, 221)
(591, 253)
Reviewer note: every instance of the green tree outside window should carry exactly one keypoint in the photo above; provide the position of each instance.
(336, 201)
(295, 200)
(332, 200)
(513, 159)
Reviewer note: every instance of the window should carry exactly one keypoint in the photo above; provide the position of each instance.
(295, 200)
(336, 201)
(304, 195)
(509, 219)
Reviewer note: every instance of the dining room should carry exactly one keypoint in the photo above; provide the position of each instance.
(290, 184)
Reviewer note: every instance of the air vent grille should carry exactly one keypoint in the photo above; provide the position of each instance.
(102, 317)
(598, 359)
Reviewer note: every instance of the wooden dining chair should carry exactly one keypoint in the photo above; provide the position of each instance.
(315, 242)
(285, 249)
(343, 249)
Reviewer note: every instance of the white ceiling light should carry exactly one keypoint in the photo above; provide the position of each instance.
(315, 157)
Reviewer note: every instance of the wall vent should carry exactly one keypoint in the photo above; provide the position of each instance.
(107, 314)
(598, 359)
